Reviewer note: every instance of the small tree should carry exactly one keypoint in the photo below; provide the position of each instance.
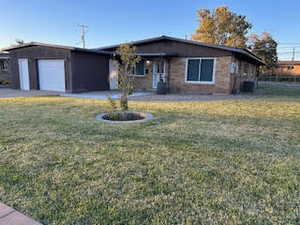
(127, 62)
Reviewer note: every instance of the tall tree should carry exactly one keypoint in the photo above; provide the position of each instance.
(223, 27)
(265, 47)
(128, 60)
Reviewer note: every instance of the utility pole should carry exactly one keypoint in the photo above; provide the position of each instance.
(294, 52)
(293, 61)
(82, 34)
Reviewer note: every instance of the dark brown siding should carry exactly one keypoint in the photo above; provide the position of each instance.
(182, 49)
(90, 72)
(33, 54)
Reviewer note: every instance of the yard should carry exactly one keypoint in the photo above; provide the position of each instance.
(209, 162)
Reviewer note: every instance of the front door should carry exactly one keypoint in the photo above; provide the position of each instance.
(24, 74)
(158, 72)
(113, 75)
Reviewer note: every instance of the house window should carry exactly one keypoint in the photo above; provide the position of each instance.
(200, 70)
(139, 69)
(3, 65)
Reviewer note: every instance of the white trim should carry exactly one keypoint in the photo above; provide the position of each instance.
(24, 77)
(200, 82)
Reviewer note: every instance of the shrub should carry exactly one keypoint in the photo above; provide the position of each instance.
(162, 88)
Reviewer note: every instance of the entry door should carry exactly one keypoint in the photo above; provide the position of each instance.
(113, 74)
(158, 72)
(24, 74)
(52, 74)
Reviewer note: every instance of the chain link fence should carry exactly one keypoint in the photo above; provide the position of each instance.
(278, 85)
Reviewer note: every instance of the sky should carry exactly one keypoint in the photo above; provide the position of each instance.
(112, 22)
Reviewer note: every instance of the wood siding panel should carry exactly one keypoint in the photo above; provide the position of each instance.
(90, 72)
(33, 54)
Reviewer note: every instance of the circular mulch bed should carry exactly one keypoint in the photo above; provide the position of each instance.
(124, 117)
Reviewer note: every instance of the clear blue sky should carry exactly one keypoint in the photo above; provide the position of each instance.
(111, 22)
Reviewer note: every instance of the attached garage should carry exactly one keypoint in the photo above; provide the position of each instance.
(37, 66)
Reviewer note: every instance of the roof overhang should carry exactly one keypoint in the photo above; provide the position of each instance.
(156, 54)
(242, 51)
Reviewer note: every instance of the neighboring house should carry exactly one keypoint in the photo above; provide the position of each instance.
(4, 67)
(186, 66)
(289, 68)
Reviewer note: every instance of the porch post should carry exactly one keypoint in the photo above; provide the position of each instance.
(166, 71)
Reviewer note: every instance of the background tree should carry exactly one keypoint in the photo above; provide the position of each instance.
(223, 27)
(128, 60)
(265, 47)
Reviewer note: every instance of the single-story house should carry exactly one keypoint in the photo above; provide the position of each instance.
(289, 68)
(186, 66)
(4, 67)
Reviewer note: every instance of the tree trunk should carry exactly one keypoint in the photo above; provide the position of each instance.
(124, 101)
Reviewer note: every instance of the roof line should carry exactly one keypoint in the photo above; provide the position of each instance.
(163, 37)
(54, 46)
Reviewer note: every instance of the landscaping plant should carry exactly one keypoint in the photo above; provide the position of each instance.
(127, 61)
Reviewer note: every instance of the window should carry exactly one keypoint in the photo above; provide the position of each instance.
(4, 65)
(200, 70)
(139, 69)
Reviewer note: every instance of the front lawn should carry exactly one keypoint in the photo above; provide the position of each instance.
(222, 162)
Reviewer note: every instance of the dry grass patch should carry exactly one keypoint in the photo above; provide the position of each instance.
(223, 162)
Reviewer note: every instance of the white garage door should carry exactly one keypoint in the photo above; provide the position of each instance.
(51, 74)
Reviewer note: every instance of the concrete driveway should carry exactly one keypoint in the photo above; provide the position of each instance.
(11, 93)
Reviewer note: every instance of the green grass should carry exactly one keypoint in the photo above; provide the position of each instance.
(222, 162)
(278, 90)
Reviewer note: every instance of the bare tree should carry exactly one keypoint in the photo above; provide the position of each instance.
(127, 63)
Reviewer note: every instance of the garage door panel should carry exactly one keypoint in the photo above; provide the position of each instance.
(51, 74)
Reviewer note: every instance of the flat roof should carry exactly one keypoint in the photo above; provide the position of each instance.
(71, 48)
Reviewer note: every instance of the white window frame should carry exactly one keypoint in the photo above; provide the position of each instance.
(200, 82)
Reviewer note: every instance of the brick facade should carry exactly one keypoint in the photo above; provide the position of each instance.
(143, 83)
(5, 76)
(177, 74)
(225, 80)
(245, 72)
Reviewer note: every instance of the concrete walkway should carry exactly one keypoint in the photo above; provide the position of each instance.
(9, 216)
(103, 95)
